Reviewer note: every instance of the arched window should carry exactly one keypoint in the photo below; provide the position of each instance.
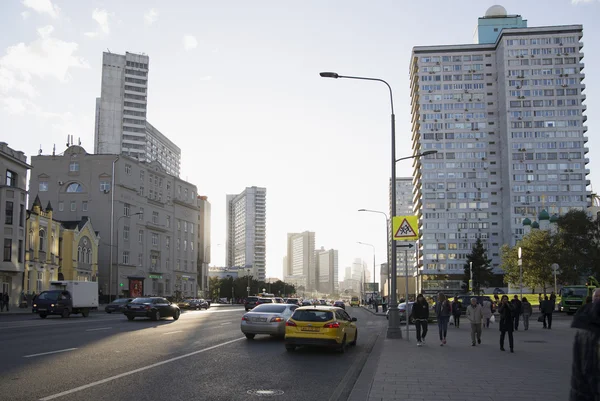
(42, 240)
(75, 187)
(90, 256)
(79, 254)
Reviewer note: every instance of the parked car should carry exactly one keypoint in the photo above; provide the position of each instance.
(117, 305)
(402, 311)
(267, 319)
(199, 304)
(184, 304)
(250, 303)
(498, 291)
(340, 304)
(153, 307)
(293, 301)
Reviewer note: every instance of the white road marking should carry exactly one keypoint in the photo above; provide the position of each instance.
(112, 378)
(223, 324)
(173, 332)
(51, 352)
(100, 328)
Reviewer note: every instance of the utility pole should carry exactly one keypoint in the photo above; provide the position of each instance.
(406, 248)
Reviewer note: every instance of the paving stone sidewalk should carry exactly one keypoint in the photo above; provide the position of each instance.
(540, 368)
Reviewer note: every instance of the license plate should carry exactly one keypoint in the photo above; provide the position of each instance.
(260, 319)
(41, 309)
(310, 329)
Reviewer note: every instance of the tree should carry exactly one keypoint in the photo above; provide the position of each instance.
(482, 270)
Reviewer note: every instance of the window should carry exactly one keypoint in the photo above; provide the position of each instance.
(61, 206)
(191, 228)
(141, 215)
(185, 226)
(74, 166)
(84, 206)
(20, 254)
(155, 217)
(75, 187)
(79, 254)
(142, 175)
(21, 215)
(11, 178)
(168, 242)
(104, 186)
(42, 239)
(40, 280)
(191, 245)
(168, 221)
(141, 236)
(178, 244)
(179, 225)
(7, 249)
(154, 239)
(73, 206)
(125, 258)
(8, 218)
(185, 245)
(43, 187)
(126, 233)
(140, 259)
(128, 169)
(126, 209)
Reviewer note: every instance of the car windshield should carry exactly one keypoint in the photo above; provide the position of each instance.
(312, 315)
(120, 301)
(269, 308)
(292, 301)
(574, 292)
(49, 295)
(142, 301)
(266, 300)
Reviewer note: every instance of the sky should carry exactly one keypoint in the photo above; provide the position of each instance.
(236, 85)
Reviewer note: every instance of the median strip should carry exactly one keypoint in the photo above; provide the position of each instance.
(112, 378)
(48, 353)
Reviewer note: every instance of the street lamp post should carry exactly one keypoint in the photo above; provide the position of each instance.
(471, 277)
(248, 287)
(372, 246)
(387, 230)
(394, 319)
(519, 254)
(118, 220)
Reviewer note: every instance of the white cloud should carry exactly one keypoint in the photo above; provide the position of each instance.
(150, 16)
(42, 7)
(205, 78)
(25, 14)
(46, 57)
(190, 42)
(102, 18)
(575, 2)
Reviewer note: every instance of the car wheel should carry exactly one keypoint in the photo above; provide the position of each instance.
(353, 343)
(85, 313)
(176, 315)
(155, 316)
(342, 347)
(65, 313)
(129, 317)
(43, 315)
(290, 347)
(250, 336)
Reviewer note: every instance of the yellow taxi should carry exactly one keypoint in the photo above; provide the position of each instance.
(320, 325)
(354, 302)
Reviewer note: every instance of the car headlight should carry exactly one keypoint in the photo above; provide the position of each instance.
(35, 305)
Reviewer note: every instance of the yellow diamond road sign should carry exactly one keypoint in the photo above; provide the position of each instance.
(405, 228)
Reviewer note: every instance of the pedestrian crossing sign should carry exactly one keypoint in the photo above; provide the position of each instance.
(405, 228)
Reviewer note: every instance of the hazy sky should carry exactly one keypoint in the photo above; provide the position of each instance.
(235, 84)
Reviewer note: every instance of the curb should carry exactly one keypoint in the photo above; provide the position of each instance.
(362, 386)
(370, 311)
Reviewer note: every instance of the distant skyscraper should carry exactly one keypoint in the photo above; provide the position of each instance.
(326, 262)
(300, 269)
(246, 230)
(121, 126)
(506, 116)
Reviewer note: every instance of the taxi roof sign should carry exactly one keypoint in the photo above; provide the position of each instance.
(405, 228)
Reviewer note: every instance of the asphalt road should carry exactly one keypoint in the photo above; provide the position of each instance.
(202, 356)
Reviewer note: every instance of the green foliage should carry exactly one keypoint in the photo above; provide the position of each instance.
(482, 270)
(577, 239)
(237, 287)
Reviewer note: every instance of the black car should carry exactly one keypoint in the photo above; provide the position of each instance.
(340, 304)
(198, 304)
(293, 301)
(250, 303)
(117, 305)
(465, 301)
(153, 307)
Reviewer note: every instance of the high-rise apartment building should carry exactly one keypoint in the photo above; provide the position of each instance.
(246, 231)
(326, 266)
(506, 117)
(301, 267)
(121, 126)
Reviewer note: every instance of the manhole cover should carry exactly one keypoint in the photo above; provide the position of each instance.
(265, 393)
(535, 341)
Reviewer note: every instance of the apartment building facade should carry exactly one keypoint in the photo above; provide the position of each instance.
(301, 267)
(326, 269)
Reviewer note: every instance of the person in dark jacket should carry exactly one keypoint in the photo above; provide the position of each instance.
(456, 310)
(516, 303)
(420, 315)
(547, 310)
(442, 312)
(506, 311)
(585, 370)
(6, 300)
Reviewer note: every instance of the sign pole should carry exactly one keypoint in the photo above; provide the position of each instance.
(406, 287)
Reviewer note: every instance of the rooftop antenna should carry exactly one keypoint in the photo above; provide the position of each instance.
(40, 151)
(54, 150)
(79, 140)
(71, 140)
(108, 49)
(67, 141)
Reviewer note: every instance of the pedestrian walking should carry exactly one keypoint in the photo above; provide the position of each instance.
(475, 316)
(384, 304)
(586, 348)
(456, 310)
(516, 303)
(553, 297)
(540, 300)
(487, 313)
(420, 315)
(6, 300)
(547, 310)
(527, 311)
(1, 302)
(506, 322)
(442, 312)
(376, 305)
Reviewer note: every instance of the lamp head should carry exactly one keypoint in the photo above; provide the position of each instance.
(362, 210)
(329, 75)
(429, 152)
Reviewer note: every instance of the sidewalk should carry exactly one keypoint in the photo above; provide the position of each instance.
(27, 311)
(370, 310)
(540, 368)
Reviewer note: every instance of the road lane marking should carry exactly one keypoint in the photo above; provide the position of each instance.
(100, 328)
(223, 324)
(48, 353)
(173, 332)
(131, 372)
